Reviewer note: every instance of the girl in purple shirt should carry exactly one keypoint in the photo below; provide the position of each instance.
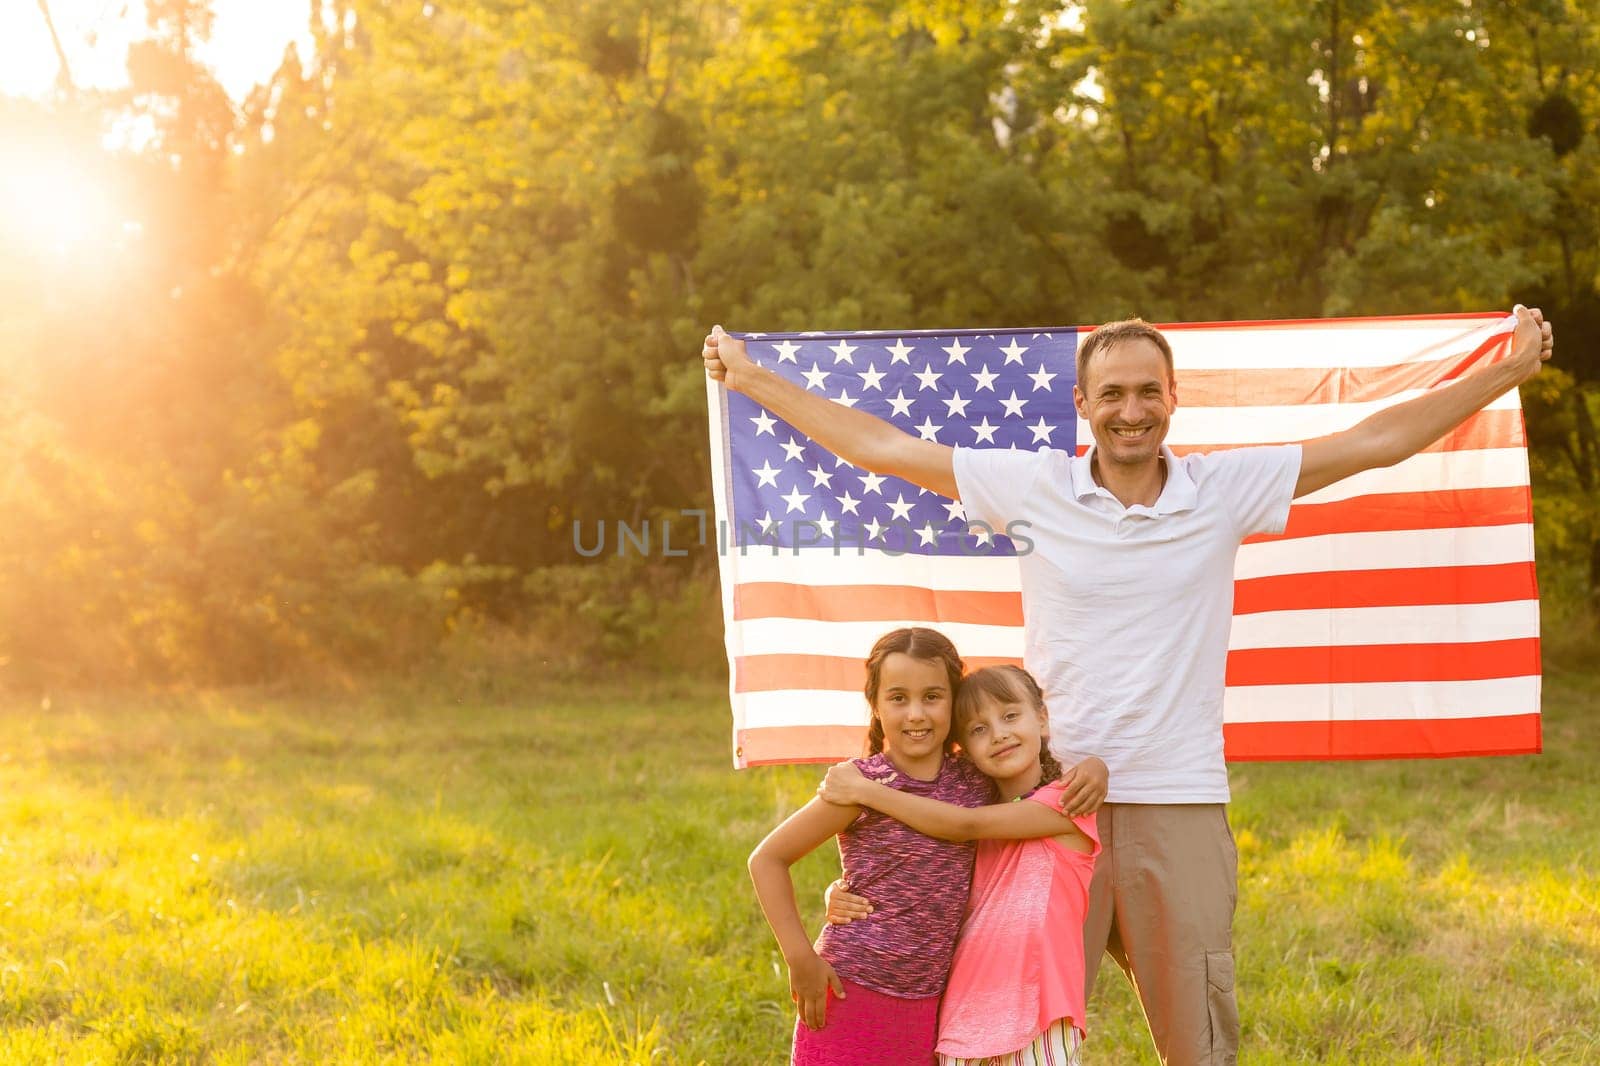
(869, 991)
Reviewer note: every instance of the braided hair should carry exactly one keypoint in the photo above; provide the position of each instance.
(918, 642)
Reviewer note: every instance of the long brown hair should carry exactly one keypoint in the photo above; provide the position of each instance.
(1004, 684)
(918, 642)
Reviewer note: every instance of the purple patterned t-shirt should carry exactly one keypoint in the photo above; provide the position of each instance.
(918, 887)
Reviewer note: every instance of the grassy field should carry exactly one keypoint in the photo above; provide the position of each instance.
(560, 879)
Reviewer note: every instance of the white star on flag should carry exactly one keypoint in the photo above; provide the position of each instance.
(796, 499)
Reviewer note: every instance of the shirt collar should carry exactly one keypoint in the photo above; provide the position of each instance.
(1179, 493)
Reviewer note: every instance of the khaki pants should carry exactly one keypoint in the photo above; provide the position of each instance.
(1161, 904)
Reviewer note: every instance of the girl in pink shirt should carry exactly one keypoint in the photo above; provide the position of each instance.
(1015, 996)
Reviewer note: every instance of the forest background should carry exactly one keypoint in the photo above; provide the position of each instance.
(362, 349)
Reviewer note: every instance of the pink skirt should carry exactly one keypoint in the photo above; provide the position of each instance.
(868, 1028)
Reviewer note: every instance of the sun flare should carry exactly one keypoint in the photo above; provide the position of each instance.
(53, 209)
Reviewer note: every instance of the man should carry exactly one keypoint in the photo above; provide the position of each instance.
(1127, 602)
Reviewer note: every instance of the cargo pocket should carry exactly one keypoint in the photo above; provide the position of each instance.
(1224, 1009)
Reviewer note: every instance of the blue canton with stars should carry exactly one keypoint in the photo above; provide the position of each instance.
(968, 388)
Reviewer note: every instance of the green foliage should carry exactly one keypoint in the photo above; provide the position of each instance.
(397, 321)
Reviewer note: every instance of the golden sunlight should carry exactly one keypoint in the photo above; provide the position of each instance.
(52, 209)
(246, 45)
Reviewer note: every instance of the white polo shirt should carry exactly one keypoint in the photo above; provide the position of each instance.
(1126, 610)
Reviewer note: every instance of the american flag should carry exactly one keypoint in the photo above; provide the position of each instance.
(1396, 616)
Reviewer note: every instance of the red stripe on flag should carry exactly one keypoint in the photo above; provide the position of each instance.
(1429, 738)
(1410, 587)
(798, 743)
(1346, 664)
(1320, 665)
(1414, 586)
(1297, 386)
(835, 673)
(1385, 512)
(1515, 734)
(874, 603)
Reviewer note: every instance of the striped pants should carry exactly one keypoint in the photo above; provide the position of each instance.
(1056, 1046)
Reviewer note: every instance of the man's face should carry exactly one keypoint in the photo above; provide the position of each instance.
(1127, 398)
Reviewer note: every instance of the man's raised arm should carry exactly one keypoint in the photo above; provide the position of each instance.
(1399, 432)
(856, 436)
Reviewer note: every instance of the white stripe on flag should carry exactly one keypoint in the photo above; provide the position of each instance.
(801, 706)
(852, 640)
(1449, 623)
(1396, 549)
(1484, 468)
(1329, 346)
(1214, 426)
(1446, 623)
(1488, 698)
(1415, 700)
(1387, 550)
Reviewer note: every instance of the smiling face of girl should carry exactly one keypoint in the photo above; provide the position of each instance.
(1003, 739)
(1001, 723)
(913, 705)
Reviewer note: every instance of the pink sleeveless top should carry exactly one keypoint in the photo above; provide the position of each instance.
(1019, 964)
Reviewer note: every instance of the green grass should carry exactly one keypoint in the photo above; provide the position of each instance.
(241, 878)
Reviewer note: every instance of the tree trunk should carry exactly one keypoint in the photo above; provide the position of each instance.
(64, 71)
(1594, 577)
